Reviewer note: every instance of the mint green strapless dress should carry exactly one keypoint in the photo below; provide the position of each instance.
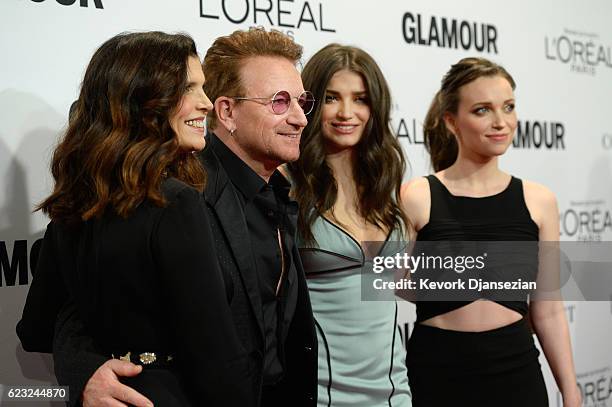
(362, 360)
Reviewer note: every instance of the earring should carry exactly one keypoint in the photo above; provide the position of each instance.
(232, 132)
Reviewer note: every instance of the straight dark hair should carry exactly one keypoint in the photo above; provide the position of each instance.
(379, 161)
(119, 144)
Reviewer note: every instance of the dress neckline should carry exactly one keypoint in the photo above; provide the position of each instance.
(475, 197)
(353, 239)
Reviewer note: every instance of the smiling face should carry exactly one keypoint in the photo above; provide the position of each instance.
(485, 120)
(262, 137)
(345, 112)
(189, 119)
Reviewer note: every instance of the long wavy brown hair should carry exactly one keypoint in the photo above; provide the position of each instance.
(119, 144)
(379, 161)
(439, 141)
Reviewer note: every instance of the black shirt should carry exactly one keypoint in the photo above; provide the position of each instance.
(265, 208)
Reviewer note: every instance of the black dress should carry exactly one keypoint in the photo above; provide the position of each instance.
(493, 368)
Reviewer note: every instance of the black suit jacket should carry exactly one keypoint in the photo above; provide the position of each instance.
(233, 246)
(150, 282)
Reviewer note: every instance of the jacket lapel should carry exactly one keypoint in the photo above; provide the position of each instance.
(220, 194)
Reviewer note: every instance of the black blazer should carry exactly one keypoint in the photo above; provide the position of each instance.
(232, 243)
(151, 283)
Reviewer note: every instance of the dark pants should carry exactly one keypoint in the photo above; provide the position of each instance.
(493, 368)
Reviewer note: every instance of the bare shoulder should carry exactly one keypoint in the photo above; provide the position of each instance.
(539, 195)
(414, 189)
(416, 201)
(541, 203)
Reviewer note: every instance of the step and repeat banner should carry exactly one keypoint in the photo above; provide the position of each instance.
(559, 53)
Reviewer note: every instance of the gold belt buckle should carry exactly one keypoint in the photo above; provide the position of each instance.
(147, 358)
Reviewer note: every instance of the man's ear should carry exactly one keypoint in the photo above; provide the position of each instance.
(449, 121)
(226, 113)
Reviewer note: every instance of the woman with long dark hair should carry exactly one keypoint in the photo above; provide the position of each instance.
(347, 182)
(482, 353)
(129, 243)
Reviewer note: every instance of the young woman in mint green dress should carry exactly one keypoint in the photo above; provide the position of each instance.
(347, 182)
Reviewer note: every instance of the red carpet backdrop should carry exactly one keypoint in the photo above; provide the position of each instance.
(559, 53)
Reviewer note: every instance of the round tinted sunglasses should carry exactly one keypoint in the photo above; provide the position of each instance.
(281, 101)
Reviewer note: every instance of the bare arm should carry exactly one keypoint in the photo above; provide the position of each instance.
(548, 316)
(416, 203)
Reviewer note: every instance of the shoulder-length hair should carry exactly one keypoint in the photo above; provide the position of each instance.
(119, 144)
(379, 162)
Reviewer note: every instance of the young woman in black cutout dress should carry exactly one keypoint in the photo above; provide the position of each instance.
(482, 353)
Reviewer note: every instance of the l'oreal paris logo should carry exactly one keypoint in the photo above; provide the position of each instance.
(582, 51)
(277, 13)
(586, 221)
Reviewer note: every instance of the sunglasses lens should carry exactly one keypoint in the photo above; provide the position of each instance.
(281, 101)
(306, 102)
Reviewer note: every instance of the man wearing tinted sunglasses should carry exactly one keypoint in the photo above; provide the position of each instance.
(259, 114)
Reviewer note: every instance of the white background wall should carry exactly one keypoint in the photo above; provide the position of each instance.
(559, 53)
